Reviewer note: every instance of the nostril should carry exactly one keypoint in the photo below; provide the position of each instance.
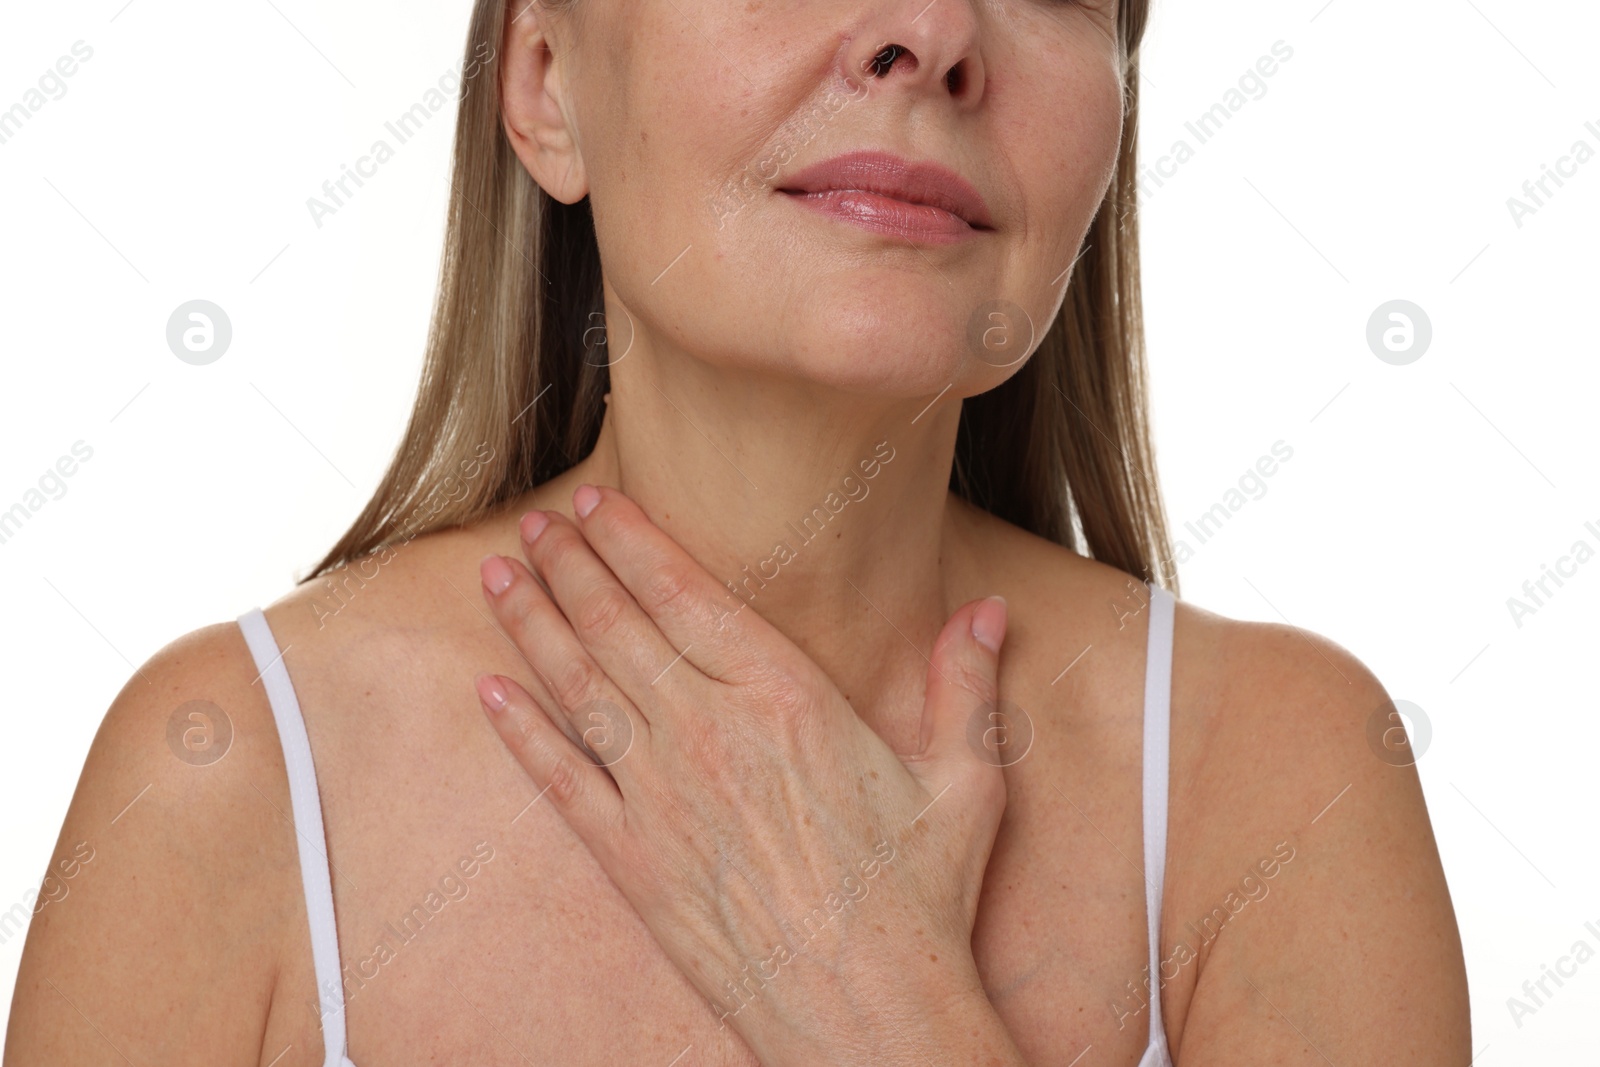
(880, 64)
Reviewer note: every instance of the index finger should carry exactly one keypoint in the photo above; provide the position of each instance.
(716, 629)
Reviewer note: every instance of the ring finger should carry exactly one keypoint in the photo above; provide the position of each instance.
(590, 709)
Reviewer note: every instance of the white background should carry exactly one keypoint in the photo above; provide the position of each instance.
(1377, 166)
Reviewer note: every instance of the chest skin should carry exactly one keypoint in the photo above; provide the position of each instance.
(474, 925)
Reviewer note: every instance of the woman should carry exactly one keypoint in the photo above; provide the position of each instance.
(784, 400)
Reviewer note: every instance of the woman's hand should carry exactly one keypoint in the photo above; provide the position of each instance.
(819, 890)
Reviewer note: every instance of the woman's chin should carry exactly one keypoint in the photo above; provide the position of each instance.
(884, 364)
(894, 339)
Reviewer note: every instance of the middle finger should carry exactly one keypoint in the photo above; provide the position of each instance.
(621, 636)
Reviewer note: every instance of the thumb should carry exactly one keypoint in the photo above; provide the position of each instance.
(962, 720)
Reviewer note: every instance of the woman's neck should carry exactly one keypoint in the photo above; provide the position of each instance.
(826, 512)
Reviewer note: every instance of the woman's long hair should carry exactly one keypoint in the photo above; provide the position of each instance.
(515, 371)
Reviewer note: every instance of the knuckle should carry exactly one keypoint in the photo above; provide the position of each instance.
(601, 610)
(789, 703)
(574, 680)
(667, 589)
(566, 783)
(972, 677)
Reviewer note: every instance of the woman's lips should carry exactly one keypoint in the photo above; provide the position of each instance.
(917, 200)
(883, 214)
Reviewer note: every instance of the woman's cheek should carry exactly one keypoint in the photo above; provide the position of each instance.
(1077, 134)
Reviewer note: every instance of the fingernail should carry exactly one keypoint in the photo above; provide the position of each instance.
(496, 574)
(491, 692)
(584, 500)
(533, 524)
(989, 623)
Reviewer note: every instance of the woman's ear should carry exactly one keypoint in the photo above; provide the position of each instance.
(534, 104)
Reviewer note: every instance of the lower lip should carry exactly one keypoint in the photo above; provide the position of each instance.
(898, 218)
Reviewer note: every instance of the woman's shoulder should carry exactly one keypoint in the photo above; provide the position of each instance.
(1288, 708)
(194, 728)
(383, 618)
(1275, 724)
(1220, 664)
(173, 871)
(1291, 777)
(177, 869)
(190, 739)
(1224, 668)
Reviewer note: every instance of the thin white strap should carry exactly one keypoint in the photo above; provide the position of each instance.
(1157, 720)
(306, 808)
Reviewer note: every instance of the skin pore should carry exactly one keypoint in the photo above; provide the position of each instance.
(769, 350)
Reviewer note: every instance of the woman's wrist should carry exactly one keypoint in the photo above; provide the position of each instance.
(934, 1014)
(962, 1028)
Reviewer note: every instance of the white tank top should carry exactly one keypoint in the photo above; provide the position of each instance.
(306, 809)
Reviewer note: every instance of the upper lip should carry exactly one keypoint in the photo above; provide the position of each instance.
(902, 179)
